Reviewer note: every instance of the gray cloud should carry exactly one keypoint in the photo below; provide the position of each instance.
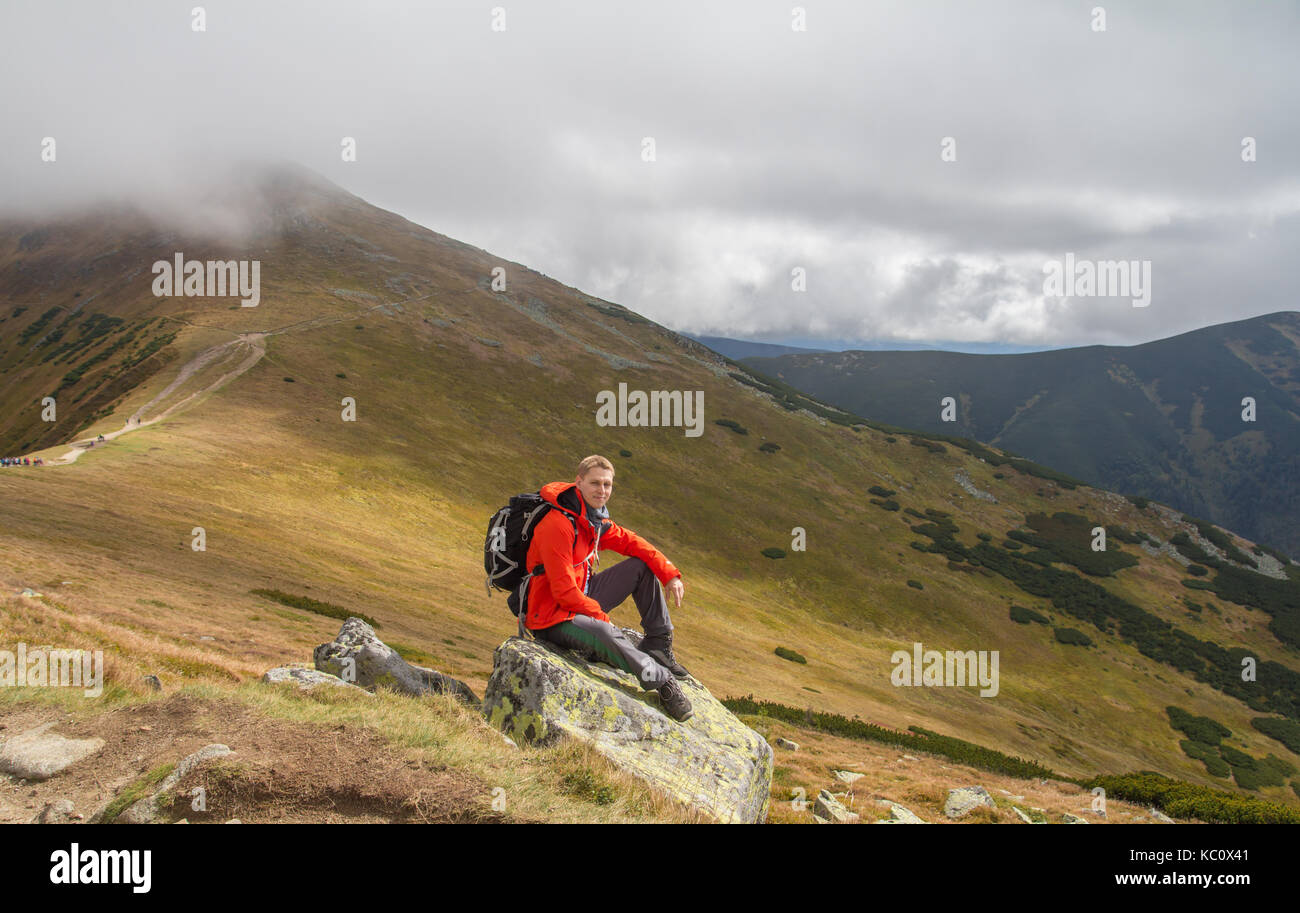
(775, 149)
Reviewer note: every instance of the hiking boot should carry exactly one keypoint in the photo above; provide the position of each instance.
(660, 648)
(675, 702)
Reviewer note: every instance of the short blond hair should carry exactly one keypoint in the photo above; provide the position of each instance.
(592, 462)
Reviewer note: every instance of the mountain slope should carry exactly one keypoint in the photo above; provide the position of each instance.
(465, 395)
(1162, 419)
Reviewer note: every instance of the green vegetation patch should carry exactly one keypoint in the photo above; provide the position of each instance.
(1072, 637)
(1067, 538)
(787, 653)
(917, 738)
(1184, 800)
(328, 609)
(1025, 615)
(734, 426)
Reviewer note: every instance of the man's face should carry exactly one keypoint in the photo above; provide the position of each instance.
(596, 486)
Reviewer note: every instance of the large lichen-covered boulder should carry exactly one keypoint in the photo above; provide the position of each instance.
(358, 656)
(712, 762)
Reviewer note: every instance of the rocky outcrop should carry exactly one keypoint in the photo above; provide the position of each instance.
(828, 809)
(964, 800)
(900, 815)
(357, 656)
(306, 679)
(145, 810)
(712, 762)
(39, 754)
(60, 811)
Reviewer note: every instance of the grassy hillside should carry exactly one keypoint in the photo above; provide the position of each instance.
(465, 395)
(1163, 419)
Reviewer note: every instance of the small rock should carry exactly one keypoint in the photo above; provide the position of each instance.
(306, 679)
(183, 821)
(786, 744)
(829, 807)
(39, 754)
(1161, 816)
(59, 811)
(965, 799)
(1022, 816)
(145, 729)
(375, 663)
(234, 821)
(908, 757)
(900, 815)
(153, 682)
(1067, 818)
(848, 776)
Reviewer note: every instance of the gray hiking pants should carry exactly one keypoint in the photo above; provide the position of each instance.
(630, 577)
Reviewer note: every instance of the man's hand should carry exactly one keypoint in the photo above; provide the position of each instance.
(675, 588)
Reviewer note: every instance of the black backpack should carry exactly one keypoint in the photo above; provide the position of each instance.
(505, 549)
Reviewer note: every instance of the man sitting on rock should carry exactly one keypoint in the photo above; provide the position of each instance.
(567, 604)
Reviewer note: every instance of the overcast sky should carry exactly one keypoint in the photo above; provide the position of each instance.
(774, 148)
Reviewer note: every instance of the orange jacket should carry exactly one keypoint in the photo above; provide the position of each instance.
(560, 593)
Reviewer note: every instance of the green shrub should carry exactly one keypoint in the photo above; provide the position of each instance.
(1207, 755)
(769, 447)
(786, 653)
(916, 739)
(881, 491)
(885, 505)
(915, 584)
(1138, 501)
(1200, 729)
(1197, 571)
(1283, 730)
(625, 453)
(734, 426)
(1184, 800)
(774, 552)
(1024, 615)
(583, 783)
(328, 609)
(1072, 637)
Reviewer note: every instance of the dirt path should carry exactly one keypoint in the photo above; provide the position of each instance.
(252, 343)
